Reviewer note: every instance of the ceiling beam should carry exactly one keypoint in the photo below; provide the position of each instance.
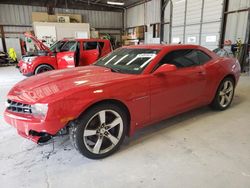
(72, 4)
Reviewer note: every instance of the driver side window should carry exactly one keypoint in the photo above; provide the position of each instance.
(185, 58)
(90, 45)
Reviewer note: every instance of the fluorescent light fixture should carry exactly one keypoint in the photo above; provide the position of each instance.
(115, 3)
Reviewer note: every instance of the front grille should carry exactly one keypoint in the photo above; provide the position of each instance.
(18, 107)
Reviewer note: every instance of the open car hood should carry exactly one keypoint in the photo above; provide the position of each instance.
(37, 42)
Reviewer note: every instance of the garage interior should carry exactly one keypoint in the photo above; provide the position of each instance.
(200, 148)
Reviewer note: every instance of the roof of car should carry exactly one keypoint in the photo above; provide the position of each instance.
(93, 39)
(161, 46)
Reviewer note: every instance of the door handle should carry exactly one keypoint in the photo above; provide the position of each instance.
(201, 72)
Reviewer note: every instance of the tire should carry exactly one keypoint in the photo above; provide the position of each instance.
(43, 68)
(100, 131)
(224, 94)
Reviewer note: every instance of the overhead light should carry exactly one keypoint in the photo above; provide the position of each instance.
(115, 3)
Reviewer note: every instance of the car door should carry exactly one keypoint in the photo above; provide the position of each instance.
(89, 53)
(66, 58)
(105, 47)
(180, 90)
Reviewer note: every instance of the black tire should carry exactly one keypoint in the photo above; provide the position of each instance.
(79, 128)
(43, 68)
(216, 103)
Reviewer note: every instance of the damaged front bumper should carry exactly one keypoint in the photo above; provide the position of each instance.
(34, 129)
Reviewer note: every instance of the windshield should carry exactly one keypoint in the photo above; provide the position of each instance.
(69, 46)
(56, 47)
(125, 60)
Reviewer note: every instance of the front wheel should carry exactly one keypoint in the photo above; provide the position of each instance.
(100, 131)
(224, 94)
(43, 68)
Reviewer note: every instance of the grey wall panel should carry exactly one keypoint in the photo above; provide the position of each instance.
(178, 13)
(192, 34)
(202, 20)
(167, 13)
(210, 30)
(193, 11)
(14, 43)
(143, 14)
(212, 10)
(152, 14)
(21, 15)
(238, 4)
(135, 16)
(236, 26)
(177, 34)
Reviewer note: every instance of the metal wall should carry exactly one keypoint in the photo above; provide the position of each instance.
(197, 22)
(193, 21)
(236, 25)
(143, 14)
(21, 15)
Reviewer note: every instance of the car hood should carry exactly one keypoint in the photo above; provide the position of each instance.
(37, 42)
(39, 88)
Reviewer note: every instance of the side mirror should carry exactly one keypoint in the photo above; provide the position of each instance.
(165, 68)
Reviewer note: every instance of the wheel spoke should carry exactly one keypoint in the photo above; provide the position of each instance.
(221, 93)
(102, 116)
(89, 132)
(225, 86)
(229, 89)
(114, 123)
(113, 139)
(227, 98)
(98, 145)
(222, 101)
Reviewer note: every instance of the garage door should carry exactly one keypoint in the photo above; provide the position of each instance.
(199, 23)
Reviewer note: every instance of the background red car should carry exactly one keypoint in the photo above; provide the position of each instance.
(64, 54)
(130, 88)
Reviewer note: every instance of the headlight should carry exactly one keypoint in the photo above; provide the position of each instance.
(39, 110)
(29, 59)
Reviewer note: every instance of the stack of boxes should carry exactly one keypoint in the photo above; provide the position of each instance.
(134, 36)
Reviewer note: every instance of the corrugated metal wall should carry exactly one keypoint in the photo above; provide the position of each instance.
(237, 22)
(193, 21)
(144, 14)
(197, 22)
(21, 15)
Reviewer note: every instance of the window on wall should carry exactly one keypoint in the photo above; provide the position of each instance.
(156, 30)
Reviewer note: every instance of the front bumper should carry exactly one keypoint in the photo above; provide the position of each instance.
(25, 69)
(26, 124)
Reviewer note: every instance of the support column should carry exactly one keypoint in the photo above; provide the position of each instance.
(3, 38)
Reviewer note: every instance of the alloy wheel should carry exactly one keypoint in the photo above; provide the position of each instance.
(226, 93)
(103, 131)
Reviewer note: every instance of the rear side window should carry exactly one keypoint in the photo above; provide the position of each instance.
(185, 58)
(203, 58)
(90, 45)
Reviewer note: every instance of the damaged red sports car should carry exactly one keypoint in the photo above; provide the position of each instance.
(128, 89)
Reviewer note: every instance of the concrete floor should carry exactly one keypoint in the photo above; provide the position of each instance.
(201, 148)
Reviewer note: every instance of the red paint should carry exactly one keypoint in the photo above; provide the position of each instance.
(62, 60)
(149, 96)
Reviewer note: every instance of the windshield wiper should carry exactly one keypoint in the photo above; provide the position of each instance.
(114, 69)
(111, 68)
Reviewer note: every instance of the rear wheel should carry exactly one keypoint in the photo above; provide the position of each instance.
(100, 131)
(43, 68)
(224, 94)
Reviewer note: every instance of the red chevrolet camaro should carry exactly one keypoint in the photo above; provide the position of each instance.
(128, 89)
